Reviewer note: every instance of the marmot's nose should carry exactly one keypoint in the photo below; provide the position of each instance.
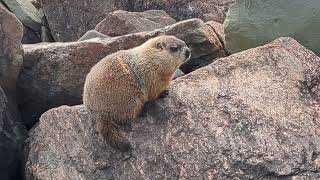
(188, 53)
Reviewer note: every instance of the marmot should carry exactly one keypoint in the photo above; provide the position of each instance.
(118, 86)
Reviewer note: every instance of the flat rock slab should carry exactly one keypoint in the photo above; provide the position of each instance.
(252, 115)
(69, 20)
(54, 74)
(120, 22)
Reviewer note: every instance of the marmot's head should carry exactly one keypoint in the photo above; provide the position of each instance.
(167, 51)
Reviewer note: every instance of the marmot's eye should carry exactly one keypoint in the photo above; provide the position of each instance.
(173, 49)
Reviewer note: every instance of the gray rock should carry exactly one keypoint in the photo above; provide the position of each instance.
(252, 115)
(92, 34)
(253, 23)
(54, 74)
(12, 132)
(11, 54)
(69, 20)
(121, 22)
(26, 12)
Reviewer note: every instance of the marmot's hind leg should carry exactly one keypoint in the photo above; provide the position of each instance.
(112, 134)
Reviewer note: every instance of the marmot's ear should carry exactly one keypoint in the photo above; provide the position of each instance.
(160, 45)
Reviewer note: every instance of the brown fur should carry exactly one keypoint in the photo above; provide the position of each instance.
(119, 85)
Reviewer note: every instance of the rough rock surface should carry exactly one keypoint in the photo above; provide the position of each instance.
(208, 10)
(12, 136)
(11, 54)
(121, 22)
(253, 23)
(92, 34)
(54, 74)
(252, 115)
(69, 20)
(12, 133)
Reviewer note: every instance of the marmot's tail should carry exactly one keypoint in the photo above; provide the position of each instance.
(111, 133)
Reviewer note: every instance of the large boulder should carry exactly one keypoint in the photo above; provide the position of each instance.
(252, 23)
(122, 22)
(208, 10)
(12, 132)
(54, 74)
(69, 20)
(11, 54)
(252, 115)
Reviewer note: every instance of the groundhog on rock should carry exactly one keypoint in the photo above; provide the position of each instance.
(118, 86)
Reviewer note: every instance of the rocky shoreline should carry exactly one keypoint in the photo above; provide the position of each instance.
(238, 109)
